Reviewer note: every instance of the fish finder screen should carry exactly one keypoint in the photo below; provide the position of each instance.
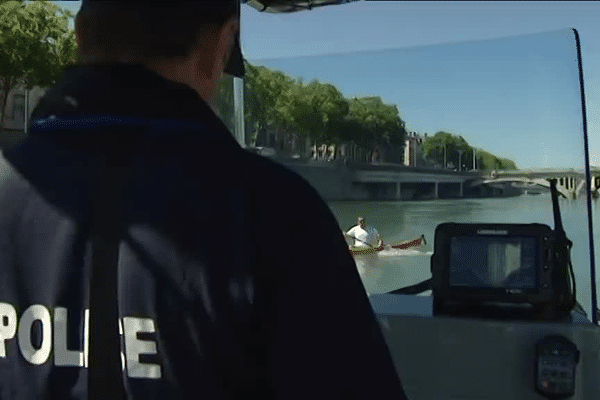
(494, 262)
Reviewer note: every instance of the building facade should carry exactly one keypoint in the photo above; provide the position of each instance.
(19, 106)
(413, 149)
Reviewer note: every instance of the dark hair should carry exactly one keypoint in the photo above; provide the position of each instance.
(149, 30)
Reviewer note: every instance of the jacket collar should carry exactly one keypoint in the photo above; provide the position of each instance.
(129, 90)
(63, 155)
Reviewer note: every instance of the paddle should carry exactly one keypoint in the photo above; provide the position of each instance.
(362, 241)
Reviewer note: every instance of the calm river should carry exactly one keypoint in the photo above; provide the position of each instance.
(401, 220)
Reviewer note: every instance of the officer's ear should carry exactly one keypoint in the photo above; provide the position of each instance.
(225, 44)
(210, 58)
(213, 49)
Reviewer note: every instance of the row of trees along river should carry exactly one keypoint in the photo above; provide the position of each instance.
(293, 116)
(37, 43)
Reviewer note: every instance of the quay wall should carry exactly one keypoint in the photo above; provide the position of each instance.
(337, 181)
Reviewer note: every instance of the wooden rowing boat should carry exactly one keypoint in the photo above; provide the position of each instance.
(405, 244)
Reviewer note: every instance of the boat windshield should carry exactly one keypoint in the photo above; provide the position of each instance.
(412, 137)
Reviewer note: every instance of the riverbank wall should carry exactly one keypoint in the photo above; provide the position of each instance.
(337, 181)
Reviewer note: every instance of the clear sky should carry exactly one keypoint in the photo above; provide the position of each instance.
(370, 25)
(517, 98)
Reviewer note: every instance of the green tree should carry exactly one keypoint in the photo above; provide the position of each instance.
(315, 110)
(265, 95)
(326, 100)
(318, 112)
(433, 148)
(490, 162)
(35, 45)
(363, 118)
(375, 123)
(507, 164)
(298, 113)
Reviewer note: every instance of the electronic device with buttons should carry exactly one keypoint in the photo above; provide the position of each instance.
(513, 270)
(555, 366)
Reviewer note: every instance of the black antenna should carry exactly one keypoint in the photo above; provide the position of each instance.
(562, 254)
(558, 227)
(588, 183)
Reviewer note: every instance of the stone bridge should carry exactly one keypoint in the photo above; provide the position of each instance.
(362, 181)
(570, 182)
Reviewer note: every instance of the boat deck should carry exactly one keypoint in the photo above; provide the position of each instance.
(451, 358)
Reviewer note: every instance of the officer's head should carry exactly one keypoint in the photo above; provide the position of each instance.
(185, 41)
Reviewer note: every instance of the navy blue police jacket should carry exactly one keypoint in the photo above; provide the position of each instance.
(233, 274)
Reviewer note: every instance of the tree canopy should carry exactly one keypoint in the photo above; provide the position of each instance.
(433, 149)
(377, 122)
(320, 113)
(317, 111)
(266, 98)
(35, 45)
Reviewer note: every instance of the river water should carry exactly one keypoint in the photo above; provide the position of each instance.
(399, 220)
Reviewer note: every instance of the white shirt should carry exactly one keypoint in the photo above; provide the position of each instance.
(369, 235)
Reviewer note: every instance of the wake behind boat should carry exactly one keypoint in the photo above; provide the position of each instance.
(405, 244)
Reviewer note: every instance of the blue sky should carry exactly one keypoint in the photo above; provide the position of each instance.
(514, 97)
(369, 25)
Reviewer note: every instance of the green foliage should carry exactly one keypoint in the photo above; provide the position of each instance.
(35, 45)
(491, 162)
(315, 110)
(318, 111)
(378, 123)
(36, 42)
(433, 149)
(266, 96)
(298, 113)
(507, 164)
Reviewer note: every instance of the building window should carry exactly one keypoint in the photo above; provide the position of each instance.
(18, 108)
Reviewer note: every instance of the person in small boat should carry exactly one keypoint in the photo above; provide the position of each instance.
(364, 235)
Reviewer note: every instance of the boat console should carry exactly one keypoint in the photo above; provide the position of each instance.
(483, 358)
(501, 321)
(511, 271)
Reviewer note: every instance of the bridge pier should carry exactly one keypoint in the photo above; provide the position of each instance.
(579, 189)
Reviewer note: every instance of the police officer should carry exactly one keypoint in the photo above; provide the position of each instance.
(215, 298)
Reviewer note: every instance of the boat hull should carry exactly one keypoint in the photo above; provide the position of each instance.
(356, 250)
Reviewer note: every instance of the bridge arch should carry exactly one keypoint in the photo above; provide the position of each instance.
(570, 182)
(561, 188)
